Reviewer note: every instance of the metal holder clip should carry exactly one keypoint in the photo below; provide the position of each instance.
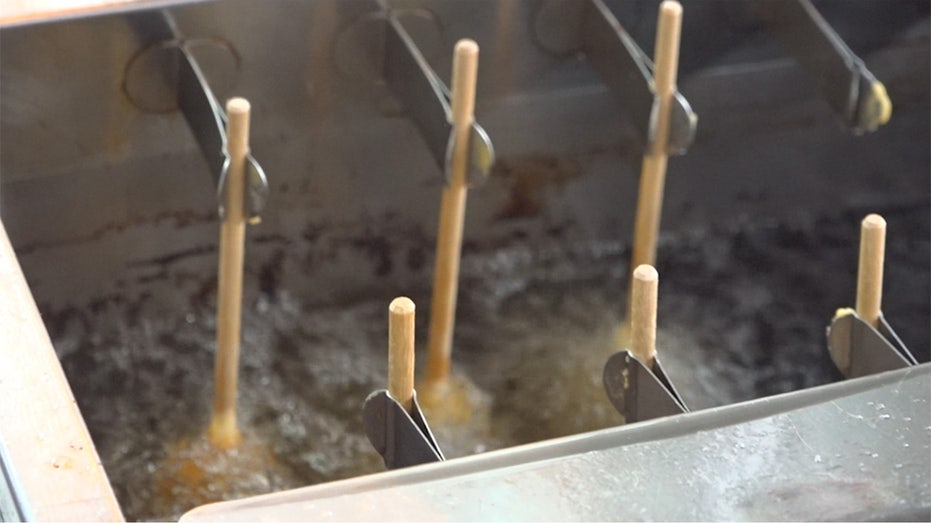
(201, 109)
(207, 121)
(858, 349)
(622, 65)
(415, 83)
(637, 392)
(403, 439)
(847, 85)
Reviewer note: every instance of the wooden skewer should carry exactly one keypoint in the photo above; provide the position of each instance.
(870, 272)
(401, 313)
(224, 432)
(653, 169)
(452, 215)
(644, 289)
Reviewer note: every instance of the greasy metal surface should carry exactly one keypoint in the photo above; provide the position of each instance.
(344, 152)
(848, 451)
(403, 439)
(623, 66)
(638, 393)
(860, 350)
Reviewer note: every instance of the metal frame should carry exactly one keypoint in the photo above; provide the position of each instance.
(768, 459)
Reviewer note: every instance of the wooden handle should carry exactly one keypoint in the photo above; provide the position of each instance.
(465, 72)
(452, 216)
(401, 313)
(649, 210)
(645, 287)
(224, 432)
(666, 49)
(870, 273)
(653, 170)
(238, 111)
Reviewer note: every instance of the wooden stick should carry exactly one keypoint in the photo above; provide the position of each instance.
(401, 351)
(644, 289)
(452, 215)
(653, 169)
(224, 432)
(870, 272)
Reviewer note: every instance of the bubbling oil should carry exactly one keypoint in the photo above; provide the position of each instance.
(742, 313)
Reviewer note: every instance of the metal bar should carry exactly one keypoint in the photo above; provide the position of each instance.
(804, 449)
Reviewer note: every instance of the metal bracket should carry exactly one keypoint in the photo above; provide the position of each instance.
(403, 439)
(207, 121)
(848, 86)
(637, 392)
(620, 62)
(427, 100)
(858, 349)
(203, 112)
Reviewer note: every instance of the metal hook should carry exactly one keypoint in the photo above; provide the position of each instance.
(207, 120)
(427, 100)
(203, 112)
(620, 62)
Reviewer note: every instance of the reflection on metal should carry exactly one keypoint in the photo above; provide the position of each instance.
(9, 508)
(638, 393)
(403, 439)
(427, 100)
(623, 66)
(854, 451)
(851, 89)
(860, 350)
(204, 114)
